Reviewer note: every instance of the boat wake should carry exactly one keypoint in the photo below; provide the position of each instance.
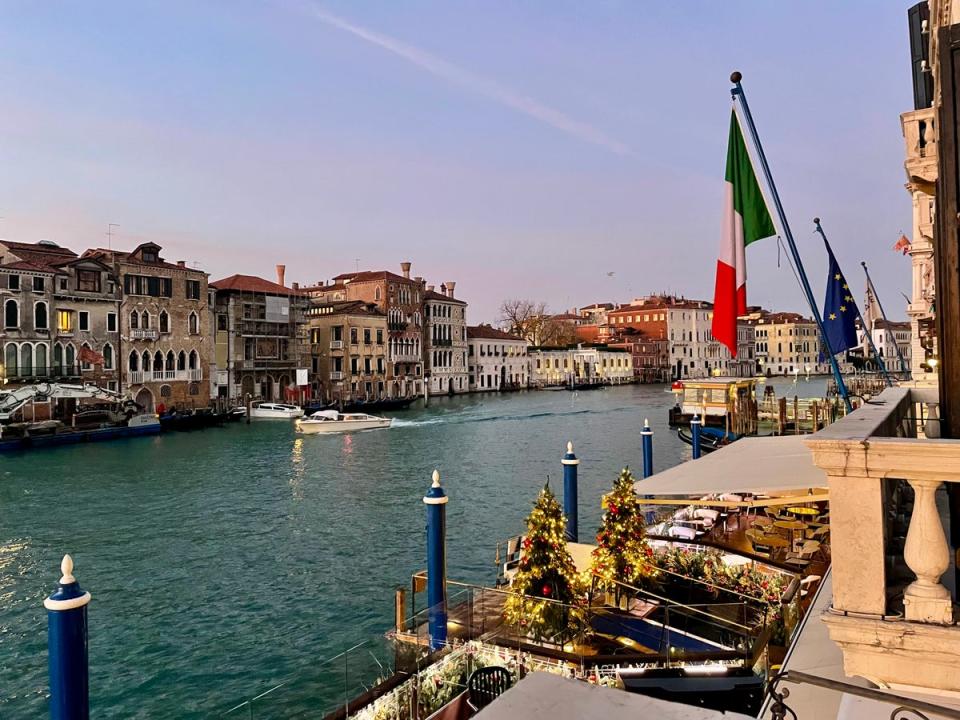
(461, 420)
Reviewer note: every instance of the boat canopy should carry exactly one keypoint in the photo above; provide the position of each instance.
(326, 414)
(781, 467)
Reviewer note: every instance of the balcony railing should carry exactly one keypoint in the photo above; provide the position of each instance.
(397, 326)
(885, 467)
(920, 137)
(137, 377)
(336, 375)
(336, 344)
(51, 372)
(143, 334)
(443, 342)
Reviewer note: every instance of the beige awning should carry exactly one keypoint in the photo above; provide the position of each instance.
(781, 467)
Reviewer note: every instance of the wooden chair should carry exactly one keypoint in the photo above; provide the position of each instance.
(487, 684)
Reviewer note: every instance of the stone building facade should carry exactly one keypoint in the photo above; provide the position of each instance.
(348, 348)
(164, 327)
(445, 338)
(400, 298)
(260, 341)
(497, 360)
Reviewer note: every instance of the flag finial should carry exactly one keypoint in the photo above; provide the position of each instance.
(816, 220)
(736, 77)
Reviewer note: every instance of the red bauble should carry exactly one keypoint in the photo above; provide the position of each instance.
(527, 543)
(546, 591)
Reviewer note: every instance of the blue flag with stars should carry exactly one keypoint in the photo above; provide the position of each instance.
(839, 309)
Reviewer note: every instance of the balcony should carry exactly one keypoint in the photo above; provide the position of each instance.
(336, 375)
(137, 377)
(34, 374)
(886, 467)
(143, 334)
(336, 344)
(397, 326)
(920, 137)
(442, 343)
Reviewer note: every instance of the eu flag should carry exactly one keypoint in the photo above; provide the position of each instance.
(839, 310)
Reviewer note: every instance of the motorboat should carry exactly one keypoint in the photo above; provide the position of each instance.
(330, 421)
(275, 411)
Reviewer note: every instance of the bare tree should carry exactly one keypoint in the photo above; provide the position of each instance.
(533, 322)
(558, 333)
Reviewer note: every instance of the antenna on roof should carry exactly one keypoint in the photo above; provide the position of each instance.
(357, 263)
(110, 227)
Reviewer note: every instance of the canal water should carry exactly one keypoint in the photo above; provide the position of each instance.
(224, 561)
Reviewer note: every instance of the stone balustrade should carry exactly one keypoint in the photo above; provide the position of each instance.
(920, 137)
(886, 468)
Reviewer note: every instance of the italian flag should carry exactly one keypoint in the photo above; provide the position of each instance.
(745, 219)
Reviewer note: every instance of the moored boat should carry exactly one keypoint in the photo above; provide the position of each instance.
(275, 411)
(331, 421)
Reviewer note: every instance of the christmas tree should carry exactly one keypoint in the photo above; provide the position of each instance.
(546, 600)
(622, 554)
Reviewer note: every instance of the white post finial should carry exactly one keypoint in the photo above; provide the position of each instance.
(646, 422)
(436, 478)
(66, 567)
(570, 447)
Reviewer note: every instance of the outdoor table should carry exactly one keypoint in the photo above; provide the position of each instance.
(799, 511)
(793, 527)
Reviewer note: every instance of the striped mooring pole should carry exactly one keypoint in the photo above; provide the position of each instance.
(646, 437)
(570, 464)
(695, 433)
(436, 502)
(67, 647)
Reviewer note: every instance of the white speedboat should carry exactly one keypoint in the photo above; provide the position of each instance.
(328, 421)
(280, 411)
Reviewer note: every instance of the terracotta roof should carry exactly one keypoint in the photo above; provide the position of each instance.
(373, 276)
(598, 306)
(48, 257)
(779, 318)
(881, 324)
(252, 283)
(486, 332)
(434, 295)
(565, 316)
(107, 255)
(28, 266)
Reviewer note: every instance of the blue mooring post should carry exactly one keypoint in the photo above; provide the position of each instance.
(646, 436)
(695, 433)
(67, 647)
(436, 502)
(570, 464)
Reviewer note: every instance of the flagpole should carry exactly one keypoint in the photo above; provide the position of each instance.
(868, 332)
(903, 364)
(737, 93)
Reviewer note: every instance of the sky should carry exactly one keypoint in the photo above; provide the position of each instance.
(566, 152)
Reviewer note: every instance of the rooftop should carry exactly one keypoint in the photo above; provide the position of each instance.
(488, 332)
(252, 283)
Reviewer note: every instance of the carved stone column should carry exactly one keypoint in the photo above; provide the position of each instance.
(927, 554)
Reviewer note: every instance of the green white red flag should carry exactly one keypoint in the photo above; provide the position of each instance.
(745, 220)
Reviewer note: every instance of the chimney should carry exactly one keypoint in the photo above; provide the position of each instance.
(296, 286)
(443, 288)
(430, 288)
(181, 263)
(418, 279)
(405, 266)
(450, 286)
(281, 271)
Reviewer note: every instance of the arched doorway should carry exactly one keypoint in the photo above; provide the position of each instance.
(503, 378)
(450, 389)
(144, 399)
(246, 387)
(269, 392)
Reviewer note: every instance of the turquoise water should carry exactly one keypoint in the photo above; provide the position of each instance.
(224, 561)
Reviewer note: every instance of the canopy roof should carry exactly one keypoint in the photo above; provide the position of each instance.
(771, 465)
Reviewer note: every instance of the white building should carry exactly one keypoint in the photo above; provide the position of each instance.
(445, 341)
(887, 335)
(551, 366)
(602, 364)
(694, 351)
(497, 360)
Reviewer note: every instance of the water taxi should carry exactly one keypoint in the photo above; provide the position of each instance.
(269, 410)
(329, 421)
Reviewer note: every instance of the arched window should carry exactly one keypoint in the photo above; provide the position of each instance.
(134, 320)
(70, 359)
(146, 362)
(193, 324)
(171, 361)
(11, 314)
(10, 359)
(157, 362)
(164, 322)
(40, 359)
(194, 360)
(182, 361)
(376, 293)
(134, 362)
(84, 365)
(58, 358)
(40, 321)
(108, 357)
(166, 391)
(26, 359)
(145, 320)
